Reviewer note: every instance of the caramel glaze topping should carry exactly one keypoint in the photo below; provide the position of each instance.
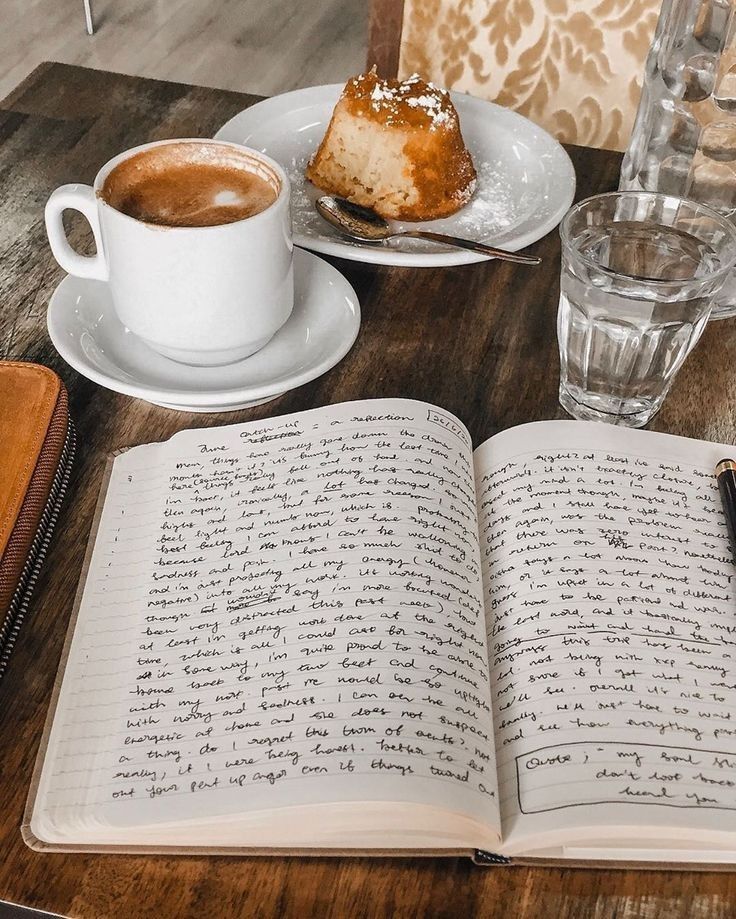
(403, 103)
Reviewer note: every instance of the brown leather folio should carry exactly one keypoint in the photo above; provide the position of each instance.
(36, 449)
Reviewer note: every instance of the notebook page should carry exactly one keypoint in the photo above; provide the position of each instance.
(279, 613)
(612, 632)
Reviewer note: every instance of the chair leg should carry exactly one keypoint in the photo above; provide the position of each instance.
(89, 22)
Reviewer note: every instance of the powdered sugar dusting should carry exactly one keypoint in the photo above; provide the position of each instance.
(492, 211)
(388, 96)
(381, 93)
(492, 208)
(432, 106)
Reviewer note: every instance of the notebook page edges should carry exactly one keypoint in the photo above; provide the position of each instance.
(28, 836)
(610, 590)
(280, 613)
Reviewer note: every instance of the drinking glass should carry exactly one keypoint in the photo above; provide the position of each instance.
(639, 274)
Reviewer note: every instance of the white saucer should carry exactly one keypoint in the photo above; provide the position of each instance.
(321, 330)
(526, 181)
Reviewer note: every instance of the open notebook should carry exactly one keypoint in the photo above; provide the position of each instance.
(345, 630)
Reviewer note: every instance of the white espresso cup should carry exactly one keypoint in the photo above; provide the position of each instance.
(202, 295)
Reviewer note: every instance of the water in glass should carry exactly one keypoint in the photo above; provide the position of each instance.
(622, 337)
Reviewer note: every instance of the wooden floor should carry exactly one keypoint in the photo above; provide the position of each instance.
(258, 46)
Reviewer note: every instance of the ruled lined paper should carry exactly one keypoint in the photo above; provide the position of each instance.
(612, 628)
(278, 613)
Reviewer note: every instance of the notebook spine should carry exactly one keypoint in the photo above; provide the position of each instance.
(481, 857)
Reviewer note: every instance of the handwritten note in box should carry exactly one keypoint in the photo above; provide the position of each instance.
(614, 773)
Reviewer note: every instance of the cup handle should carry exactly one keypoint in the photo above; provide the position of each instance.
(80, 198)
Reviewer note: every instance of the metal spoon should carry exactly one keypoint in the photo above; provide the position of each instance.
(366, 225)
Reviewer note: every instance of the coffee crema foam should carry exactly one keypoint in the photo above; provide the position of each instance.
(191, 185)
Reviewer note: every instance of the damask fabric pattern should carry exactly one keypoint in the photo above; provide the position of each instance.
(575, 67)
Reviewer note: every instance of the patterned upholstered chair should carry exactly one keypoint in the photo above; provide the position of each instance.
(573, 66)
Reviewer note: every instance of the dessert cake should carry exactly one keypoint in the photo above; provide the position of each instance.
(395, 146)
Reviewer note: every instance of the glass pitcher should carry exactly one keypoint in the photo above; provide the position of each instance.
(684, 137)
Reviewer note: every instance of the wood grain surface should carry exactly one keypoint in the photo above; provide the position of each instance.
(384, 36)
(478, 340)
(231, 44)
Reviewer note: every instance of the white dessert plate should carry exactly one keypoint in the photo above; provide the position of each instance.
(526, 181)
(320, 331)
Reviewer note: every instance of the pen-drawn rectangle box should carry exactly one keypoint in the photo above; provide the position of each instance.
(612, 772)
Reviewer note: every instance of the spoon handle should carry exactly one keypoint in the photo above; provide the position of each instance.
(473, 246)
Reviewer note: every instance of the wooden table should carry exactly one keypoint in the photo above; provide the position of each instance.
(478, 340)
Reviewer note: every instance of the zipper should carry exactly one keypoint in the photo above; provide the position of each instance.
(37, 553)
(481, 857)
